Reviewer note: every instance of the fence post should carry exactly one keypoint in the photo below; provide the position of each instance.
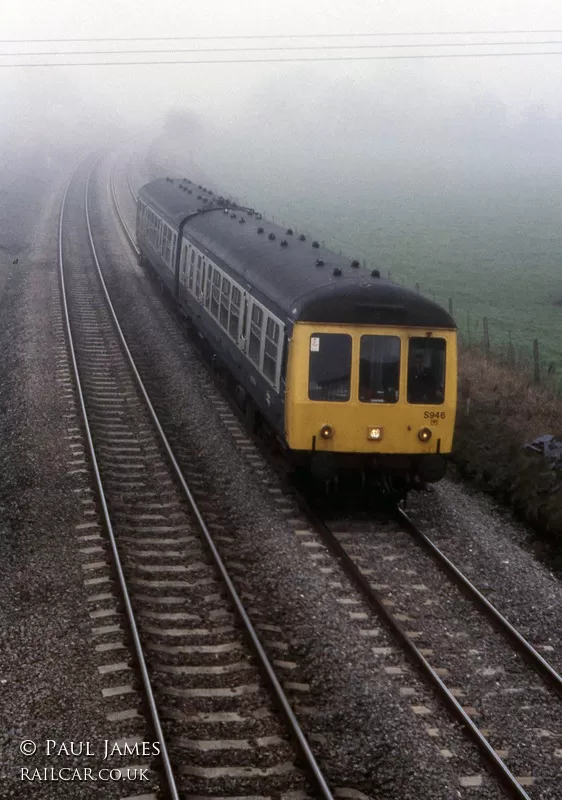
(486, 336)
(536, 365)
(451, 306)
(417, 288)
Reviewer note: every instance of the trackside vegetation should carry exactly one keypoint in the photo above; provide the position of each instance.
(499, 412)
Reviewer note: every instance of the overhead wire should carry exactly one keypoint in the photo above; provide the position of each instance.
(401, 45)
(284, 36)
(315, 59)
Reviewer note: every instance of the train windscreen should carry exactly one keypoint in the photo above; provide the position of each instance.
(330, 367)
(426, 370)
(379, 369)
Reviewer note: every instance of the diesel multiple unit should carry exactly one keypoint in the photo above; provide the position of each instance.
(349, 370)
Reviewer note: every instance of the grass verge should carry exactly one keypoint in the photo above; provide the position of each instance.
(499, 412)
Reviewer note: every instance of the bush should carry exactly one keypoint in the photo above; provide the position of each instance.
(499, 412)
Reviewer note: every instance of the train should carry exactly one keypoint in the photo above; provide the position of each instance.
(351, 373)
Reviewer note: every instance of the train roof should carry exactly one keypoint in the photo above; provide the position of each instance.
(175, 198)
(307, 283)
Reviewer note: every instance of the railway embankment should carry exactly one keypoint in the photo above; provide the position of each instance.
(500, 412)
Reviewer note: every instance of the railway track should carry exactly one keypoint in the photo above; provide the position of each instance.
(485, 680)
(504, 693)
(223, 721)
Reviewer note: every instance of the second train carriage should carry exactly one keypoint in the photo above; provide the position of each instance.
(350, 370)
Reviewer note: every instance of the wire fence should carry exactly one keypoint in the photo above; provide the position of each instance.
(534, 365)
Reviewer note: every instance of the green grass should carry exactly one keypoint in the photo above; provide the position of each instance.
(490, 241)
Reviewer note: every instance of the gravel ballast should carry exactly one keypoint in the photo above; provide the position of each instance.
(50, 684)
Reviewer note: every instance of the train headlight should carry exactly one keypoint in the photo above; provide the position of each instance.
(326, 432)
(374, 434)
(424, 434)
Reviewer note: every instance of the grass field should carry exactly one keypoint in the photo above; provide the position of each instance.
(490, 241)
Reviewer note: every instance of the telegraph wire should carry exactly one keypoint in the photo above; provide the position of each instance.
(314, 60)
(273, 49)
(285, 36)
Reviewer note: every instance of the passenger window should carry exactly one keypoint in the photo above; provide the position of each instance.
(426, 370)
(234, 319)
(208, 286)
(183, 276)
(379, 369)
(256, 320)
(225, 299)
(198, 282)
(330, 367)
(270, 351)
(215, 298)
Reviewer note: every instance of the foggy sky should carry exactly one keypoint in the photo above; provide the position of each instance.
(424, 107)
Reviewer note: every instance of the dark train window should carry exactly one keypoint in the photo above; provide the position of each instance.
(330, 367)
(191, 271)
(255, 334)
(426, 370)
(198, 280)
(225, 300)
(234, 321)
(270, 350)
(379, 369)
(215, 299)
(208, 284)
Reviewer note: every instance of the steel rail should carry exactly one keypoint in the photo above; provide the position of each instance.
(375, 601)
(107, 520)
(129, 184)
(262, 657)
(124, 225)
(545, 670)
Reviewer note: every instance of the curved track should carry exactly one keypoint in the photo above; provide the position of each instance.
(213, 690)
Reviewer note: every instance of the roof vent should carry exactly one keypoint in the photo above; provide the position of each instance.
(271, 236)
(259, 216)
(355, 263)
(284, 243)
(337, 272)
(319, 262)
(241, 221)
(289, 231)
(375, 273)
(260, 230)
(315, 244)
(302, 237)
(233, 216)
